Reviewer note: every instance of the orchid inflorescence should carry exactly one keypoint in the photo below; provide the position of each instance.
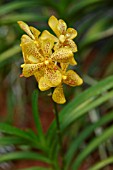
(47, 57)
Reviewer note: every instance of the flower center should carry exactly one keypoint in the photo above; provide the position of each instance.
(62, 38)
(46, 62)
(64, 77)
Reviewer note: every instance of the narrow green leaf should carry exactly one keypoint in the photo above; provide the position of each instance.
(77, 7)
(11, 140)
(78, 103)
(36, 168)
(9, 53)
(83, 135)
(92, 146)
(8, 129)
(9, 7)
(102, 164)
(23, 155)
(13, 18)
(84, 108)
(36, 114)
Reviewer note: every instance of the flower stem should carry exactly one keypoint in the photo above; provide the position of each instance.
(59, 134)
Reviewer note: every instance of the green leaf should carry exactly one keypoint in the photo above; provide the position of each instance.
(36, 115)
(9, 7)
(102, 164)
(8, 129)
(85, 107)
(78, 7)
(92, 146)
(13, 18)
(36, 168)
(83, 135)
(23, 155)
(75, 109)
(9, 53)
(11, 140)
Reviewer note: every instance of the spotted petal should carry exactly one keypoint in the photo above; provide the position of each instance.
(35, 32)
(30, 69)
(26, 28)
(58, 95)
(47, 35)
(61, 27)
(72, 78)
(71, 33)
(53, 76)
(53, 22)
(39, 74)
(42, 84)
(62, 55)
(46, 46)
(31, 49)
(71, 44)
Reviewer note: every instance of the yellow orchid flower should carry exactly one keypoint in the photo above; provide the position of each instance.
(64, 34)
(70, 78)
(39, 59)
(48, 61)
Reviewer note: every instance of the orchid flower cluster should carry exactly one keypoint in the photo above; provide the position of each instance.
(47, 57)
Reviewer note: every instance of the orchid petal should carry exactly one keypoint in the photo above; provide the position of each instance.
(42, 84)
(53, 76)
(53, 22)
(46, 46)
(61, 27)
(62, 55)
(58, 95)
(26, 28)
(35, 32)
(72, 78)
(38, 74)
(47, 35)
(71, 33)
(30, 69)
(30, 49)
(71, 44)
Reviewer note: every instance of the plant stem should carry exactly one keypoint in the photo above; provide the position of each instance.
(59, 134)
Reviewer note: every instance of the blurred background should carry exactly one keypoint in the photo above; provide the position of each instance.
(93, 19)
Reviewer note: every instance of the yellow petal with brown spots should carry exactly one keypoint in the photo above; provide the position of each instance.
(35, 32)
(71, 44)
(31, 49)
(39, 74)
(72, 78)
(58, 95)
(53, 76)
(71, 33)
(30, 69)
(42, 84)
(61, 27)
(46, 46)
(26, 28)
(62, 55)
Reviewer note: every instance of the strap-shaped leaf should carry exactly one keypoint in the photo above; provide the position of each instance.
(36, 115)
(92, 146)
(24, 155)
(11, 140)
(83, 135)
(10, 130)
(36, 168)
(82, 104)
(102, 164)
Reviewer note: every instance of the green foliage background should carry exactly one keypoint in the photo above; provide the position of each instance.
(86, 119)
